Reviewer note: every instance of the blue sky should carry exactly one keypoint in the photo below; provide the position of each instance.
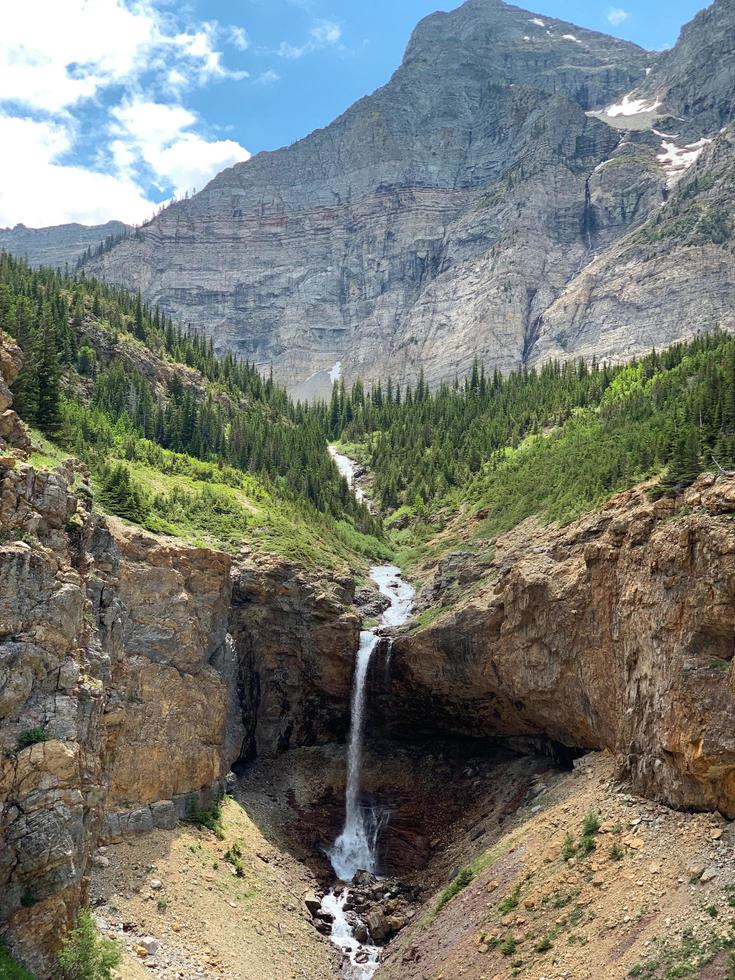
(113, 106)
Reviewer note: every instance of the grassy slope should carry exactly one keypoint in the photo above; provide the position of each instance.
(204, 503)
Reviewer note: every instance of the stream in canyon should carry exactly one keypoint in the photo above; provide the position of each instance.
(348, 468)
(356, 847)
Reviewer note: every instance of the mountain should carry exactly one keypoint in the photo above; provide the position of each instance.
(435, 219)
(59, 245)
(516, 191)
(674, 275)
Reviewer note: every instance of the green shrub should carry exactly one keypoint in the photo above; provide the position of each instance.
(569, 848)
(616, 852)
(86, 955)
(510, 901)
(591, 824)
(544, 944)
(462, 880)
(31, 736)
(9, 969)
(209, 819)
(509, 946)
(233, 856)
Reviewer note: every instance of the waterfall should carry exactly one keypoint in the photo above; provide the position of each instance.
(354, 849)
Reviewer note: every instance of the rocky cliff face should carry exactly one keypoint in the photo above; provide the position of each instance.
(120, 704)
(673, 276)
(617, 632)
(436, 219)
(108, 698)
(295, 646)
(485, 201)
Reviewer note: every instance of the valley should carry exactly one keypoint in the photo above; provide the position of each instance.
(367, 537)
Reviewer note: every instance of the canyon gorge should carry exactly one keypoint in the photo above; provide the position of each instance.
(311, 678)
(155, 667)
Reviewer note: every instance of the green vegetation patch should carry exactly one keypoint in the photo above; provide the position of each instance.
(9, 969)
(85, 954)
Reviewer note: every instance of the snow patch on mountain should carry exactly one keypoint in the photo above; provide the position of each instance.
(676, 160)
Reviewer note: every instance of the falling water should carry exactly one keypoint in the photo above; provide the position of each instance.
(356, 847)
(354, 850)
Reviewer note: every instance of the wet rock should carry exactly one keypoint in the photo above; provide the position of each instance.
(363, 879)
(313, 904)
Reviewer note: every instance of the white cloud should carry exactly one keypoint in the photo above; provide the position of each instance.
(326, 32)
(267, 78)
(238, 37)
(616, 15)
(159, 136)
(61, 64)
(54, 54)
(36, 190)
(321, 35)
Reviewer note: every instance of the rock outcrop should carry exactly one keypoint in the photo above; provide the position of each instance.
(617, 632)
(108, 700)
(120, 705)
(123, 700)
(295, 646)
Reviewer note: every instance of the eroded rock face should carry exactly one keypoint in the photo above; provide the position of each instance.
(295, 645)
(114, 694)
(617, 632)
(168, 718)
(13, 433)
(120, 703)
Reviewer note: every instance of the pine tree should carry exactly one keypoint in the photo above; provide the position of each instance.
(48, 414)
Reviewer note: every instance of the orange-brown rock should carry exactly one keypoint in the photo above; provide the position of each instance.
(164, 607)
(616, 632)
(115, 659)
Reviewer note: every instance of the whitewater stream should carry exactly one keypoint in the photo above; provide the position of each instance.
(347, 468)
(356, 847)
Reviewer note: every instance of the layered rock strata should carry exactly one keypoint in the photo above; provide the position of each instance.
(436, 219)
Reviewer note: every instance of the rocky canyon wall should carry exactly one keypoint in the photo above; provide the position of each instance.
(617, 632)
(120, 687)
(295, 644)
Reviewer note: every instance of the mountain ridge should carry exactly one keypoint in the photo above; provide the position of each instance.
(382, 241)
(474, 205)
